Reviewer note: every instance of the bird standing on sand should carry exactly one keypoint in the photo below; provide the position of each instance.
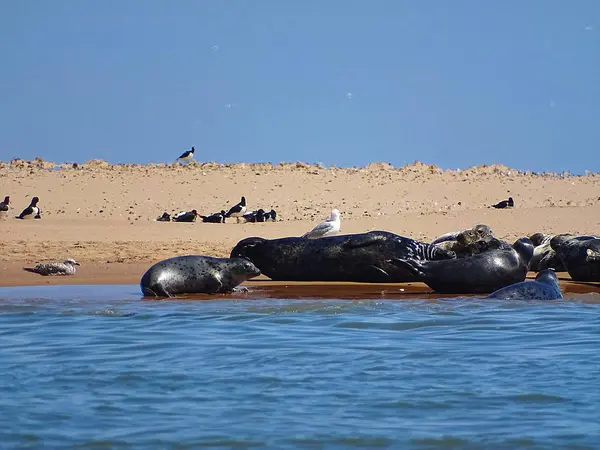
(187, 156)
(32, 211)
(504, 204)
(327, 227)
(4, 206)
(53, 269)
(238, 210)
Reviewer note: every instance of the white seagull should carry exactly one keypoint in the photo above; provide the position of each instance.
(327, 227)
(61, 268)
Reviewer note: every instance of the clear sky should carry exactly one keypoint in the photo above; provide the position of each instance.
(455, 83)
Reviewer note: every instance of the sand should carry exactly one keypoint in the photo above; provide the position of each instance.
(104, 215)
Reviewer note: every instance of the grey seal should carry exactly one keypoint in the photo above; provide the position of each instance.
(481, 230)
(579, 254)
(482, 273)
(545, 287)
(544, 256)
(362, 257)
(194, 274)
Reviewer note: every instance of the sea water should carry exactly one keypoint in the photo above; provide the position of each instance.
(98, 367)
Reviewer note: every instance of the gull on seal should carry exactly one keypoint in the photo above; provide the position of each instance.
(32, 211)
(60, 268)
(327, 227)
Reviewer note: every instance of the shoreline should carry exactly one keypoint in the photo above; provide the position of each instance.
(261, 287)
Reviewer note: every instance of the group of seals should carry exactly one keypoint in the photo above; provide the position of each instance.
(364, 257)
(577, 255)
(480, 273)
(471, 261)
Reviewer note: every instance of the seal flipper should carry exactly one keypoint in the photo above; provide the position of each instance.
(378, 274)
(213, 286)
(156, 290)
(411, 265)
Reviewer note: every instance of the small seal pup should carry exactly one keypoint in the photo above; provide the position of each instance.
(544, 257)
(64, 268)
(579, 254)
(352, 257)
(479, 274)
(195, 274)
(545, 287)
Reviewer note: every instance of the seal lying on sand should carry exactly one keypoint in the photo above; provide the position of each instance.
(479, 230)
(579, 254)
(192, 274)
(545, 287)
(544, 257)
(479, 274)
(352, 257)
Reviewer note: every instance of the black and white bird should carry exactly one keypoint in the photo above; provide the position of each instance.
(214, 218)
(187, 156)
(327, 227)
(55, 269)
(255, 216)
(271, 215)
(238, 210)
(189, 216)
(32, 211)
(504, 204)
(4, 207)
(166, 217)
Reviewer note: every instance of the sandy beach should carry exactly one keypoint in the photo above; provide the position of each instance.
(104, 215)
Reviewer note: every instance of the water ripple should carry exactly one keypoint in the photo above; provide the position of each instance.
(90, 368)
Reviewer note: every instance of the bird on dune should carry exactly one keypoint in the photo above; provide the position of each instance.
(32, 211)
(214, 218)
(187, 155)
(327, 227)
(504, 204)
(238, 210)
(4, 206)
(55, 269)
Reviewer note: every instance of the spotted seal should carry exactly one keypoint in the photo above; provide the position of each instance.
(579, 254)
(193, 274)
(360, 257)
(482, 273)
(545, 287)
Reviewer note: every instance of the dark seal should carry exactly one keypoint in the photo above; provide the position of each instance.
(482, 273)
(545, 287)
(579, 254)
(193, 274)
(363, 257)
(544, 257)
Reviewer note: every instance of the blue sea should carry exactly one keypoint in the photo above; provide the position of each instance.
(97, 367)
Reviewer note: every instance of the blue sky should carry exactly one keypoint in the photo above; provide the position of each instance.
(453, 83)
